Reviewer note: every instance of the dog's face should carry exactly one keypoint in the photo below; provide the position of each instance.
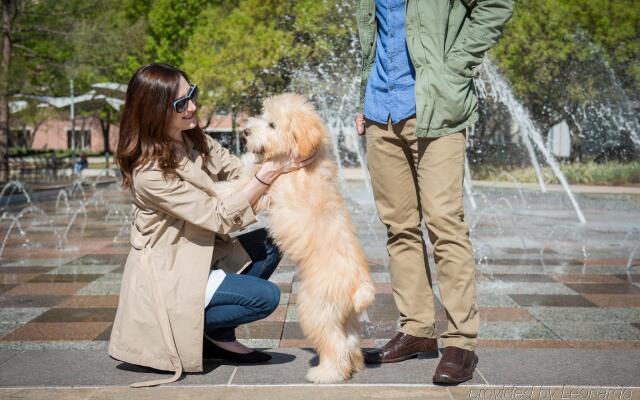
(289, 125)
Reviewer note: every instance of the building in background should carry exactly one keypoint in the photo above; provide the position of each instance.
(55, 134)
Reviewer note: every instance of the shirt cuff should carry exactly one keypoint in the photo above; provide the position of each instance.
(239, 210)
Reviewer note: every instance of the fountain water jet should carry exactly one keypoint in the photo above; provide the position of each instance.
(14, 186)
(15, 223)
(495, 86)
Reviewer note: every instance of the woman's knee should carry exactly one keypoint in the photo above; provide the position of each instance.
(270, 297)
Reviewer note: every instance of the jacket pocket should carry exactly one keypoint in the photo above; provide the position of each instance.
(461, 60)
(454, 97)
(456, 68)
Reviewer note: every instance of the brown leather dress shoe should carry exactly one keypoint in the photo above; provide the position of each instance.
(456, 365)
(401, 347)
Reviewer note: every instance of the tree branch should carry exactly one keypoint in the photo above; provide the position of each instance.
(65, 13)
(24, 48)
(45, 31)
(14, 13)
(32, 54)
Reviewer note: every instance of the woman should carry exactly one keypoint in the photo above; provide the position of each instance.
(172, 308)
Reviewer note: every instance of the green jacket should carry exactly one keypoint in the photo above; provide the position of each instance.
(447, 40)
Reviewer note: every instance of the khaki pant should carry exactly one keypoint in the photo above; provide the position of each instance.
(414, 178)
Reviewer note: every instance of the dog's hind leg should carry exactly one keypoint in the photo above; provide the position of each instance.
(325, 329)
(353, 341)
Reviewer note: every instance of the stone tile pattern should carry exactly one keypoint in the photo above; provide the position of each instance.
(68, 298)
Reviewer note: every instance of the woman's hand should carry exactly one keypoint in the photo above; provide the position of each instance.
(271, 169)
(268, 173)
(292, 164)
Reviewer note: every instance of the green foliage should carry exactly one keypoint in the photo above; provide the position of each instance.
(42, 45)
(558, 54)
(108, 48)
(561, 53)
(85, 40)
(170, 24)
(242, 53)
(235, 53)
(614, 26)
(135, 9)
(589, 173)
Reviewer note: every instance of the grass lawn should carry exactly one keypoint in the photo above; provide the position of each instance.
(590, 173)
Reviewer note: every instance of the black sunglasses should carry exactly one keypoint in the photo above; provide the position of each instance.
(180, 105)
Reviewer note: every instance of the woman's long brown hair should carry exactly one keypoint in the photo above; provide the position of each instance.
(146, 116)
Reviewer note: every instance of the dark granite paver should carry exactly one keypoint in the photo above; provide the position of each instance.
(550, 300)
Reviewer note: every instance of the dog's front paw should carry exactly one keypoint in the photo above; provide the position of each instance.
(263, 203)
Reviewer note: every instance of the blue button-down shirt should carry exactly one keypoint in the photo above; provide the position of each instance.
(390, 88)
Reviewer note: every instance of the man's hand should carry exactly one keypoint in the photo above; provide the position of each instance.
(360, 124)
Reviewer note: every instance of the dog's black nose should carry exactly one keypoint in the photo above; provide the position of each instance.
(246, 132)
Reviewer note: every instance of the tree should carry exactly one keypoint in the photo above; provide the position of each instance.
(170, 25)
(36, 48)
(235, 51)
(47, 42)
(243, 52)
(576, 61)
(558, 54)
(109, 47)
(9, 12)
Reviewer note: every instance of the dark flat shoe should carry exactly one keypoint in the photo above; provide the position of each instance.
(211, 351)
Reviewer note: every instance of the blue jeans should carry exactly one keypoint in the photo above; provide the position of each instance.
(246, 297)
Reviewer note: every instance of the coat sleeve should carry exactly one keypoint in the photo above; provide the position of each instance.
(231, 165)
(183, 200)
(485, 29)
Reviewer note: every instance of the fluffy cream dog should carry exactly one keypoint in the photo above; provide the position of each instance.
(310, 223)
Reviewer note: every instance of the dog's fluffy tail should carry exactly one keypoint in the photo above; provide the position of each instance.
(364, 295)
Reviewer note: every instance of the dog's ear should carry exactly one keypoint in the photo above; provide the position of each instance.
(308, 131)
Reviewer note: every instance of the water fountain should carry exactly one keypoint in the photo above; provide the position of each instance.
(10, 188)
(62, 194)
(42, 223)
(467, 183)
(505, 220)
(515, 229)
(494, 85)
(30, 210)
(608, 116)
(563, 240)
(632, 239)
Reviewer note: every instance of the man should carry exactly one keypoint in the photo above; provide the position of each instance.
(417, 96)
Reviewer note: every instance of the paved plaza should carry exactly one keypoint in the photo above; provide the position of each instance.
(559, 301)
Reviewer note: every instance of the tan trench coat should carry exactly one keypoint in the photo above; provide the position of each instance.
(160, 318)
